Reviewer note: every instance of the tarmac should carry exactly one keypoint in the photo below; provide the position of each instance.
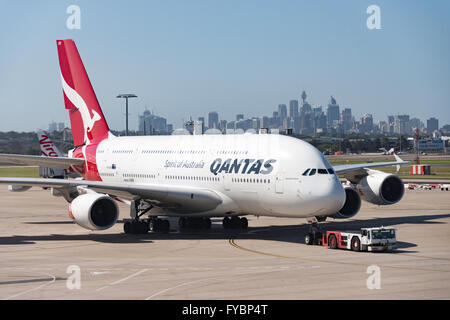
(44, 255)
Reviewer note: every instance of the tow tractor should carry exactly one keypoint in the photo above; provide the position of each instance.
(367, 239)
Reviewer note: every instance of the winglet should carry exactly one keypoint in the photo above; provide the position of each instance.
(398, 159)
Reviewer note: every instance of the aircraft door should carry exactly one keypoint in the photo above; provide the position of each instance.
(279, 183)
(226, 182)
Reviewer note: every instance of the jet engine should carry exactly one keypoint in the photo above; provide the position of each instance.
(94, 211)
(381, 188)
(351, 206)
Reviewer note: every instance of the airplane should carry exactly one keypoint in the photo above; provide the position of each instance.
(391, 151)
(387, 152)
(195, 177)
(49, 149)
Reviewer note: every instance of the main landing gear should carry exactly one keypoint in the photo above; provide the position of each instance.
(235, 223)
(142, 226)
(194, 223)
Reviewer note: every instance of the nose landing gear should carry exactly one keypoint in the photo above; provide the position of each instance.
(314, 235)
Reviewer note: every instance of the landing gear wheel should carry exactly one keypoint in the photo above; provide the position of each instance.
(309, 239)
(332, 242)
(127, 227)
(206, 223)
(244, 223)
(235, 223)
(226, 223)
(182, 223)
(165, 225)
(356, 244)
(135, 227)
(159, 225)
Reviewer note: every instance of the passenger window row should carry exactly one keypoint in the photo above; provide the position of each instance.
(311, 172)
(247, 180)
(195, 178)
(174, 151)
(139, 175)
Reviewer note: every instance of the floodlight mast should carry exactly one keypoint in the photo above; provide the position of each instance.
(126, 96)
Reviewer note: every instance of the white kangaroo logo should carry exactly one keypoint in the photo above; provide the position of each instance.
(78, 102)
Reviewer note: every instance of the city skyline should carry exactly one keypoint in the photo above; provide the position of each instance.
(333, 112)
(188, 58)
(301, 118)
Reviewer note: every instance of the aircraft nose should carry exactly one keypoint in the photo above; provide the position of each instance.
(332, 195)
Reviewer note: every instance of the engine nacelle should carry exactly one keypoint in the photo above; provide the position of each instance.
(351, 206)
(94, 211)
(381, 188)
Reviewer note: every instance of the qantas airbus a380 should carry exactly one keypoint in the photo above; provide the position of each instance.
(194, 177)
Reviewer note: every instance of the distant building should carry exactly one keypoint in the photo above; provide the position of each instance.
(432, 125)
(282, 111)
(222, 125)
(213, 120)
(293, 108)
(431, 144)
(401, 124)
(390, 124)
(198, 128)
(239, 117)
(152, 124)
(332, 112)
(415, 123)
(264, 122)
(346, 119)
(52, 127)
(366, 124)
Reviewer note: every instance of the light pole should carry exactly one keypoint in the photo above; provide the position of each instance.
(126, 96)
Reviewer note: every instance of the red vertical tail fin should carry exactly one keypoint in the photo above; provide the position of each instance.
(86, 117)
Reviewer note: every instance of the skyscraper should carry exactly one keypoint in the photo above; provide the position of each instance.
(432, 125)
(366, 123)
(401, 124)
(282, 111)
(332, 112)
(151, 124)
(213, 120)
(293, 108)
(346, 119)
(390, 124)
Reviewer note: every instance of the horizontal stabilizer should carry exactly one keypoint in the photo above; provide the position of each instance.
(52, 162)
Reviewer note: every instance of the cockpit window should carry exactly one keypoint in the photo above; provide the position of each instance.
(322, 171)
(330, 171)
(312, 172)
(305, 173)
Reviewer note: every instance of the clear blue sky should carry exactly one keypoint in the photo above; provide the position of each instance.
(186, 58)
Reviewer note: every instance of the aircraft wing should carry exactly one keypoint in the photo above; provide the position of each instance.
(361, 166)
(354, 172)
(177, 198)
(52, 162)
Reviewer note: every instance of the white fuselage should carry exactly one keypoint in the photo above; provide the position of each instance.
(258, 174)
